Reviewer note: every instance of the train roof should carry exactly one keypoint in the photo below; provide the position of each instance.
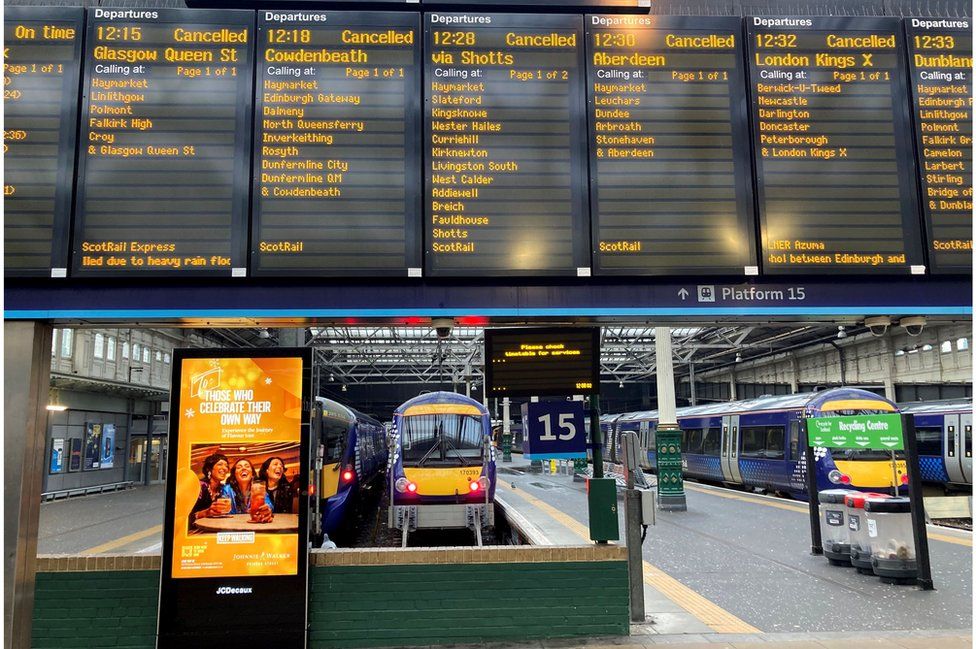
(935, 407)
(343, 412)
(805, 400)
(427, 404)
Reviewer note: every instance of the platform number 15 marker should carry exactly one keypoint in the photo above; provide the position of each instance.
(565, 423)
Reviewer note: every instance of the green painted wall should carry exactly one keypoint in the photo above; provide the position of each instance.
(364, 606)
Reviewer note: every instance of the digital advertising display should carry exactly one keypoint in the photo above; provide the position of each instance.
(670, 170)
(941, 63)
(337, 144)
(42, 63)
(832, 146)
(236, 504)
(505, 133)
(164, 156)
(541, 362)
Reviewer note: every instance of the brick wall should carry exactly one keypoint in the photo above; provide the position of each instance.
(365, 598)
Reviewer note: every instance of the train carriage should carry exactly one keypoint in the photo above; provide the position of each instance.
(442, 472)
(944, 430)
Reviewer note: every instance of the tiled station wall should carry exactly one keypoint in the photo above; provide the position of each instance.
(365, 598)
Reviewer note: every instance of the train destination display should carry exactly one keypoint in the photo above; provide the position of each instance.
(941, 64)
(42, 62)
(506, 149)
(337, 160)
(165, 143)
(544, 361)
(670, 173)
(832, 144)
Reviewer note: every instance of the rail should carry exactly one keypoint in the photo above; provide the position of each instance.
(86, 491)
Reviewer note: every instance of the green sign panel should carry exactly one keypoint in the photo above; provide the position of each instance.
(874, 432)
(670, 481)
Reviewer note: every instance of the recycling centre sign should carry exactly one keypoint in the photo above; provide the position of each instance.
(875, 432)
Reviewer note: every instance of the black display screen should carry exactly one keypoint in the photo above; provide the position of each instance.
(42, 62)
(941, 63)
(506, 149)
(540, 362)
(832, 143)
(337, 158)
(670, 174)
(165, 143)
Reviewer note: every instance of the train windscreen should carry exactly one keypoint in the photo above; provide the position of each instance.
(442, 439)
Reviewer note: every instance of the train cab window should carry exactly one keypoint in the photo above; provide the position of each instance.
(775, 443)
(929, 440)
(442, 439)
(753, 441)
(712, 442)
(334, 439)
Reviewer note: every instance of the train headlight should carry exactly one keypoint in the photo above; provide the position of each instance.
(837, 477)
(484, 482)
(401, 484)
(474, 486)
(411, 487)
(348, 475)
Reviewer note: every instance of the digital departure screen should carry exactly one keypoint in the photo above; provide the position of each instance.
(539, 362)
(42, 62)
(670, 174)
(941, 62)
(165, 143)
(833, 152)
(506, 148)
(337, 159)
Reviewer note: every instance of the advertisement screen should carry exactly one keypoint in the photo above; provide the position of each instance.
(57, 455)
(93, 446)
(108, 446)
(238, 463)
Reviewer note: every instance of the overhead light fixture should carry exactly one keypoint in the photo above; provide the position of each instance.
(621, 384)
(738, 357)
(54, 402)
(344, 388)
(841, 331)
(264, 334)
(332, 377)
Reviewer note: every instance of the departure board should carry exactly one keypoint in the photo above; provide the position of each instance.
(542, 362)
(670, 173)
(506, 148)
(165, 143)
(941, 61)
(337, 144)
(832, 143)
(42, 62)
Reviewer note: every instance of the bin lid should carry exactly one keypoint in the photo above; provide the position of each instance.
(856, 499)
(888, 505)
(834, 496)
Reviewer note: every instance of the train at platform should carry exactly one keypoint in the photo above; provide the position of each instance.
(442, 465)
(350, 460)
(944, 430)
(758, 443)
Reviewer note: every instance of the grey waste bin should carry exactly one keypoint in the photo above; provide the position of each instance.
(833, 526)
(892, 539)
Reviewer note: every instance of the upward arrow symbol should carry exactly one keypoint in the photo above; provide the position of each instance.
(683, 294)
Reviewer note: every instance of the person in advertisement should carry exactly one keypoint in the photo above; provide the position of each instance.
(212, 501)
(282, 492)
(247, 496)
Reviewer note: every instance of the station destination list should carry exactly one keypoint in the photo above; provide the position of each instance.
(506, 148)
(42, 61)
(832, 146)
(941, 64)
(165, 142)
(671, 188)
(337, 152)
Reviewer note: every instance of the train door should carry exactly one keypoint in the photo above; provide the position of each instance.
(645, 444)
(966, 457)
(952, 450)
(730, 449)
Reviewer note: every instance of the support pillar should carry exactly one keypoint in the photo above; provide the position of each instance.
(691, 382)
(794, 374)
(27, 383)
(670, 481)
(888, 367)
(507, 430)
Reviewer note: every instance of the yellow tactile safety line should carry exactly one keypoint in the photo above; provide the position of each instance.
(125, 540)
(706, 611)
(936, 536)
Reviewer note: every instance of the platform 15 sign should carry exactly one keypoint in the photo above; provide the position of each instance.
(875, 432)
(554, 430)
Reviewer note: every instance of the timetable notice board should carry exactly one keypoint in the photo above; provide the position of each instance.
(670, 169)
(941, 64)
(505, 134)
(165, 143)
(42, 62)
(833, 151)
(337, 144)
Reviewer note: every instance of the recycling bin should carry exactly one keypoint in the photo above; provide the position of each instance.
(833, 526)
(857, 529)
(889, 523)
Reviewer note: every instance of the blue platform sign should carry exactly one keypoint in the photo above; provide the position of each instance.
(553, 430)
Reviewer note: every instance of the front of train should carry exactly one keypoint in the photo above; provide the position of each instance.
(860, 469)
(442, 472)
